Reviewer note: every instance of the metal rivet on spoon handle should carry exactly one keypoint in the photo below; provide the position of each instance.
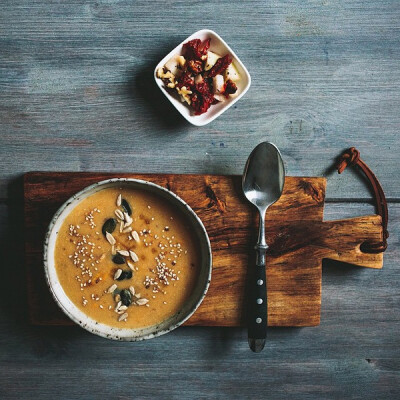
(262, 184)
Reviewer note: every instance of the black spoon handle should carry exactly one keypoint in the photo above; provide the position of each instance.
(257, 307)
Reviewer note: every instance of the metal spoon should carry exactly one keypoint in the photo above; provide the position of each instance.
(262, 183)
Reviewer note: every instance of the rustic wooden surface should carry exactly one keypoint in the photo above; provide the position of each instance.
(298, 238)
(76, 94)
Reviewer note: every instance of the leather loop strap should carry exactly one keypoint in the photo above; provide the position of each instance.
(352, 157)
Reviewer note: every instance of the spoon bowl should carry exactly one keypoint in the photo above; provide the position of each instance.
(264, 176)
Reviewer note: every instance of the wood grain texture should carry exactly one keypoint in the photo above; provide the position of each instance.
(298, 239)
(77, 80)
(354, 353)
(74, 95)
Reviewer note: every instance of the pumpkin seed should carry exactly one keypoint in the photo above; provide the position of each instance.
(126, 297)
(126, 206)
(121, 277)
(125, 275)
(109, 226)
(128, 274)
(118, 259)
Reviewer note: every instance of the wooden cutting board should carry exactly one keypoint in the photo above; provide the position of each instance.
(295, 231)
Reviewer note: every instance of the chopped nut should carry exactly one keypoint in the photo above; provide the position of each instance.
(184, 92)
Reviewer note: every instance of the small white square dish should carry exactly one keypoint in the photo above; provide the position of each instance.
(220, 47)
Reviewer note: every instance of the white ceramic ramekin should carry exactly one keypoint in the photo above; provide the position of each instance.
(219, 46)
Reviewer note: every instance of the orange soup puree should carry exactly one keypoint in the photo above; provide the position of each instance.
(126, 258)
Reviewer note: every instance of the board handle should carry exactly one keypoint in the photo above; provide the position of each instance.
(257, 307)
(352, 157)
(344, 239)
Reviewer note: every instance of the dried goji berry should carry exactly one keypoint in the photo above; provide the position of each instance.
(190, 49)
(203, 87)
(195, 49)
(220, 66)
(205, 46)
(200, 106)
(186, 79)
(202, 97)
(230, 88)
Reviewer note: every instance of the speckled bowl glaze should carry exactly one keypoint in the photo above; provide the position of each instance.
(125, 334)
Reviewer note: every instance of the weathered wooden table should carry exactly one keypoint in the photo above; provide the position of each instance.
(76, 93)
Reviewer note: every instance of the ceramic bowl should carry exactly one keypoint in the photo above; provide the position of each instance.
(78, 316)
(218, 45)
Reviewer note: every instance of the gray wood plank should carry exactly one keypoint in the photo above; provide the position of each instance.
(354, 353)
(76, 93)
(76, 89)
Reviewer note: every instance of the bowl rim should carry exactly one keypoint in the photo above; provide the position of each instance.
(90, 324)
(191, 118)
